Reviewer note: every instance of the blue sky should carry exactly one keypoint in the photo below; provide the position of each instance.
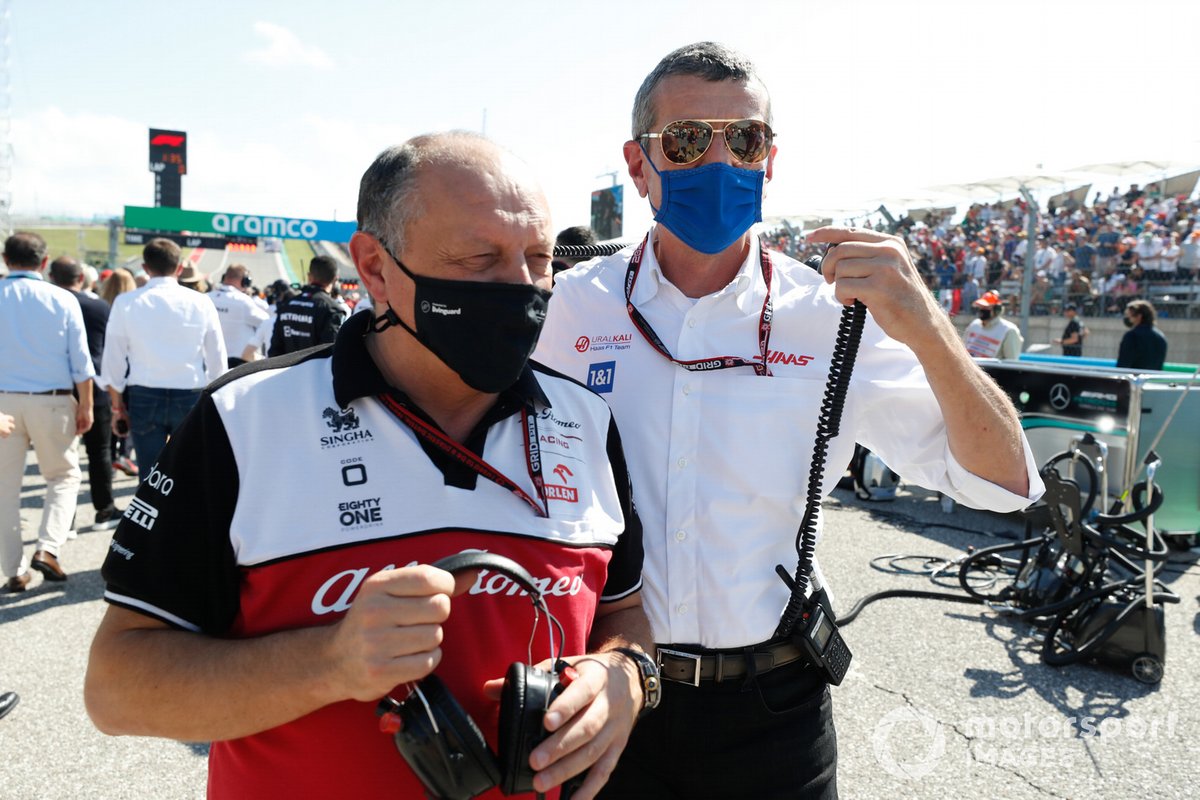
(286, 103)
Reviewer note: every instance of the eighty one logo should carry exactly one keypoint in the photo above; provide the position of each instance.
(909, 728)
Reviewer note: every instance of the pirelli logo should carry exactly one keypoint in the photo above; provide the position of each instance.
(139, 512)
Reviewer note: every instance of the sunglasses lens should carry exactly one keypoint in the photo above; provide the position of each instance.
(749, 139)
(686, 141)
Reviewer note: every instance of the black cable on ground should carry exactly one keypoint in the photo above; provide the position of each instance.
(850, 616)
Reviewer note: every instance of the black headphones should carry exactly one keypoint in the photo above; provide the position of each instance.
(441, 742)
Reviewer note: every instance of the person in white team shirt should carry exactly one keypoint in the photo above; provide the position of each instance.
(990, 335)
(713, 354)
(239, 314)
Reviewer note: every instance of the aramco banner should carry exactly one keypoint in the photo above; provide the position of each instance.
(176, 219)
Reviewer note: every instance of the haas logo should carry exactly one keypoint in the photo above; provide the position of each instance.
(345, 420)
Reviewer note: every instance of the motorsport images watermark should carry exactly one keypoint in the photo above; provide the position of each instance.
(911, 743)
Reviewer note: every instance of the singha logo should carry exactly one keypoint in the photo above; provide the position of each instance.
(338, 421)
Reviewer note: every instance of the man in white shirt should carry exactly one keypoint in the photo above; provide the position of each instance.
(1149, 249)
(240, 315)
(713, 355)
(164, 343)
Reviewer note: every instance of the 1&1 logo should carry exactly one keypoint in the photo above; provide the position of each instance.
(600, 376)
(908, 726)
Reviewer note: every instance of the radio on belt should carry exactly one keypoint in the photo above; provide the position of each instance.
(818, 636)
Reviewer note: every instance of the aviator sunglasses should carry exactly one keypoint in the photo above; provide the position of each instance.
(687, 140)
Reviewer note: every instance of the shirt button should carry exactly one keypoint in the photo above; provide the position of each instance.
(687, 389)
(680, 535)
(682, 463)
(691, 323)
(682, 608)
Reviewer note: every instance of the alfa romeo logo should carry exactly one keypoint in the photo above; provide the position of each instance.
(1060, 396)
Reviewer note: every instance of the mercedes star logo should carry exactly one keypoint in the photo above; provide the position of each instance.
(1060, 396)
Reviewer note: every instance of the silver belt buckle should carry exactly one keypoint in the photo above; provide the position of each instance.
(686, 656)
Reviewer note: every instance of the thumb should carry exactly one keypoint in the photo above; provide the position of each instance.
(492, 689)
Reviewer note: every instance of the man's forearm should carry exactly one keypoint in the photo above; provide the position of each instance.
(158, 681)
(981, 423)
(620, 629)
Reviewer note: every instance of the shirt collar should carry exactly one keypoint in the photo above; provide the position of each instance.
(747, 285)
(24, 273)
(355, 373)
(159, 280)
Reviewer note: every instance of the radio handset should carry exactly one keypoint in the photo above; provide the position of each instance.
(809, 621)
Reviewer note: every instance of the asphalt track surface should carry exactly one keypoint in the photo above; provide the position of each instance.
(943, 700)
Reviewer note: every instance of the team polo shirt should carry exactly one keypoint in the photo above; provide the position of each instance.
(290, 483)
(720, 458)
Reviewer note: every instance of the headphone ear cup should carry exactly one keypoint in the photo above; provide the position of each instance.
(526, 695)
(454, 761)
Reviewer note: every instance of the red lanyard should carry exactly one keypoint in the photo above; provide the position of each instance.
(533, 452)
(703, 364)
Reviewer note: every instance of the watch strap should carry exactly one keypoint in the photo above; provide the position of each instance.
(648, 672)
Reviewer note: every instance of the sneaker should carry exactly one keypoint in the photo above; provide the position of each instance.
(124, 464)
(107, 518)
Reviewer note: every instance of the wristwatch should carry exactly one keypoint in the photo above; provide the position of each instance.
(651, 682)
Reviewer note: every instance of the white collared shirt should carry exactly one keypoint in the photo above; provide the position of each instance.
(163, 336)
(720, 460)
(240, 317)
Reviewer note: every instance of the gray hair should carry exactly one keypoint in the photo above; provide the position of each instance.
(711, 61)
(388, 200)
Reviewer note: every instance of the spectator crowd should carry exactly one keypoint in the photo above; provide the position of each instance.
(1132, 245)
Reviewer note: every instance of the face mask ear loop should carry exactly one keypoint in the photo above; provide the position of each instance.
(657, 172)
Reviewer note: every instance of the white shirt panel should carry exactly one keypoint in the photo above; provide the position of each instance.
(166, 336)
(720, 459)
(240, 317)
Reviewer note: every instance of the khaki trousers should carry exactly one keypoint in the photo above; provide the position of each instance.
(48, 423)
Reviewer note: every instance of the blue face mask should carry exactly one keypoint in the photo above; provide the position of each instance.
(709, 207)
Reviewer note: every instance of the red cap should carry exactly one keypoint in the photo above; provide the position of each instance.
(988, 300)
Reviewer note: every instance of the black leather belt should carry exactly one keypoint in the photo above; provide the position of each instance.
(54, 392)
(692, 667)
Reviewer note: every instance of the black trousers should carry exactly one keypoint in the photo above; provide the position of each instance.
(98, 444)
(771, 738)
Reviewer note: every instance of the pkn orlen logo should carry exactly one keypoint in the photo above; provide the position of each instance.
(560, 491)
(344, 425)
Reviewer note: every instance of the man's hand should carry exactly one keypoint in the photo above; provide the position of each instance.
(84, 416)
(876, 269)
(8, 424)
(589, 723)
(392, 634)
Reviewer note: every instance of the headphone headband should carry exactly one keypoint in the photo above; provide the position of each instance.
(461, 562)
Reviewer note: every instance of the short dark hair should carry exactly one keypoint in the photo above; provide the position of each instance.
(323, 270)
(711, 61)
(1144, 309)
(65, 271)
(577, 235)
(25, 249)
(161, 257)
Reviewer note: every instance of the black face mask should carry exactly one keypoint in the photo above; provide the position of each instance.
(1128, 322)
(483, 331)
(984, 314)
